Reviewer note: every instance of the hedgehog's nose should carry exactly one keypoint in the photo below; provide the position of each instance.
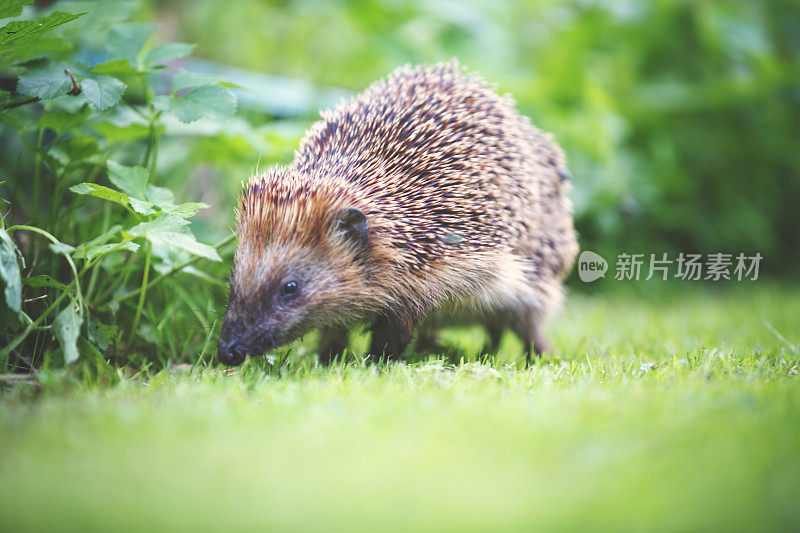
(230, 353)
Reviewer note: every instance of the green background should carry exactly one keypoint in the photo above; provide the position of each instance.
(681, 120)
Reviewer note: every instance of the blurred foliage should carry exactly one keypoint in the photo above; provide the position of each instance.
(680, 118)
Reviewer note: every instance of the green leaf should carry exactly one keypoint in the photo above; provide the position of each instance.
(102, 335)
(169, 231)
(97, 247)
(142, 206)
(28, 49)
(114, 133)
(161, 197)
(161, 103)
(133, 181)
(185, 241)
(105, 249)
(61, 121)
(12, 8)
(164, 223)
(187, 210)
(80, 147)
(130, 180)
(62, 248)
(106, 193)
(167, 52)
(44, 281)
(125, 41)
(44, 83)
(114, 67)
(102, 91)
(101, 191)
(25, 29)
(9, 271)
(212, 100)
(185, 79)
(140, 195)
(67, 327)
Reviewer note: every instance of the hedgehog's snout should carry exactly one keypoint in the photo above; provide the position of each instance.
(240, 339)
(231, 352)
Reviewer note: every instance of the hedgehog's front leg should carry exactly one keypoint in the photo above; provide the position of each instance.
(391, 336)
(332, 344)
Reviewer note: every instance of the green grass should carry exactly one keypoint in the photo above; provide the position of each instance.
(678, 410)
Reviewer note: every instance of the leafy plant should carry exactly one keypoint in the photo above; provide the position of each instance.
(85, 185)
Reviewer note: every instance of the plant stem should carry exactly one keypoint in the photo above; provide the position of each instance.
(93, 277)
(152, 140)
(57, 197)
(37, 176)
(154, 155)
(143, 291)
(149, 149)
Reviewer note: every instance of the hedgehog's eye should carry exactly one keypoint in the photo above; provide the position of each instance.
(289, 290)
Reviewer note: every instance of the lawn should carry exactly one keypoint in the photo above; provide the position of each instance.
(671, 409)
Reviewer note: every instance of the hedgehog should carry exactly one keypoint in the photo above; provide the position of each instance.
(427, 194)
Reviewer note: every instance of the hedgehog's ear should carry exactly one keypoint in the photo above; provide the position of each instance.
(352, 223)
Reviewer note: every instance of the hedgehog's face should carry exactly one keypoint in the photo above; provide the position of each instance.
(281, 290)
